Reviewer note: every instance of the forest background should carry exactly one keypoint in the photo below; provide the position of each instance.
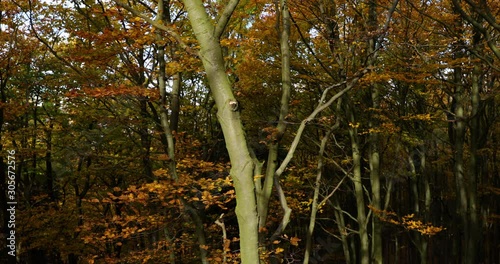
(227, 131)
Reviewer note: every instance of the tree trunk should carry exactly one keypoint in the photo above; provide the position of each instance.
(49, 174)
(145, 141)
(314, 204)
(229, 118)
(418, 185)
(458, 159)
(168, 126)
(339, 219)
(474, 241)
(175, 101)
(272, 159)
(364, 250)
(374, 156)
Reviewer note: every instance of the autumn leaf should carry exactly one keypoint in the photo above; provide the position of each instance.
(294, 241)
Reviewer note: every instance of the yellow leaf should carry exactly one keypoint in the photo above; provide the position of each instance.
(354, 125)
(258, 177)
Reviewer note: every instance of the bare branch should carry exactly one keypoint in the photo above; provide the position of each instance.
(333, 191)
(158, 25)
(224, 18)
(46, 44)
(286, 210)
(322, 106)
(486, 14)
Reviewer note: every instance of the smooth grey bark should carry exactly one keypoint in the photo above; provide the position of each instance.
(373, 137)
(241, 162)
(374, 161)
(339, 219)
(479, 125)
(479, 15)
(220, 222)
(473, 244)
(364, 250)
(264, 194)
(374, 45)
(164, 120)
(175, 101)
(457, 138)
(458, 133)
(167, 138)
(419, 184)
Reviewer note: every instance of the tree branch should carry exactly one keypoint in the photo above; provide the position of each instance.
(46, 44)
(488, 16)
(316, 111)
(224, 18)
(302, 37)
(158, 25)
(479, 27)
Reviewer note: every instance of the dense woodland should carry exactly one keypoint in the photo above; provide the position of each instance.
(251, 131)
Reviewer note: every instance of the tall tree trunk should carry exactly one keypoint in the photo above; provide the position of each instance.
(166, 135)
(458, 159)
(457, 130)
(145, 141)
(314, 204)
(168, 127)
(164, 121)
(175, 95)
(272, 160)
(339, 219)
(374, 160)
(374, 156)
(49, 174)
(80, 194)
(364, 249)
(229, 118)
(419, 184)
(474, 241)
(175, 101)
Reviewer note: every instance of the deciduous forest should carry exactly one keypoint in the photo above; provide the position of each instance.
(250, 131)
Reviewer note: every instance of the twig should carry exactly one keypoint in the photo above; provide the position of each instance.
(220, 222)
(158, 25)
